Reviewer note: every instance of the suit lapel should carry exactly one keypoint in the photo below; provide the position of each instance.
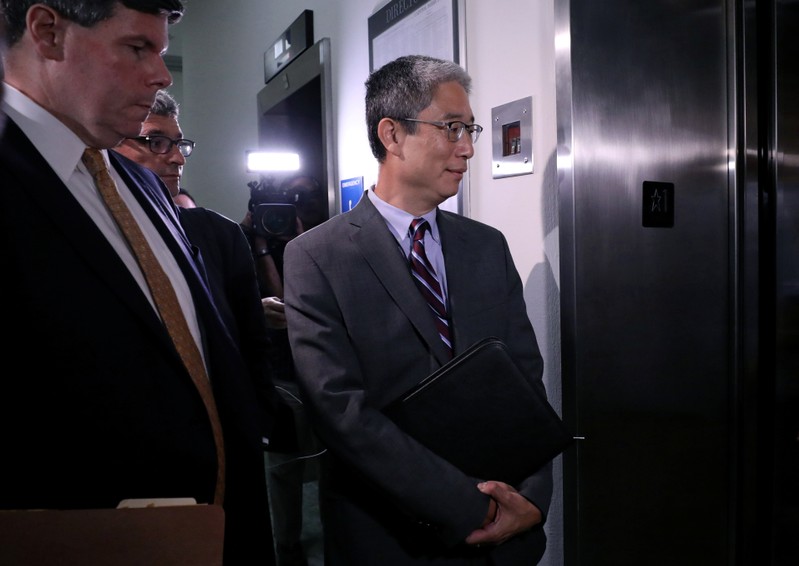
(380, 250)
(467, 280)
(230, 378)
(157, 205)
(164, 216)
(461, 274)
(61, 212)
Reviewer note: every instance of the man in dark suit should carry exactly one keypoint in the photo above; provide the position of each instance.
(362, 334)
(160, 145)
(101, 407)
(227, 258)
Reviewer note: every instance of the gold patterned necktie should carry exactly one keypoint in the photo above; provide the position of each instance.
(165, 299)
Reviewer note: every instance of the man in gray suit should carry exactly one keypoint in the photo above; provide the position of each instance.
(362, 334)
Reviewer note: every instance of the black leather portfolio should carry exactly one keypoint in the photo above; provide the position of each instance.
(481, 414)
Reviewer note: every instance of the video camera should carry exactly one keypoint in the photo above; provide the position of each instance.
(273, 211)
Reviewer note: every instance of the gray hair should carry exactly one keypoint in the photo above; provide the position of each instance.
(403, 88)
(165, 105)
(86, 13)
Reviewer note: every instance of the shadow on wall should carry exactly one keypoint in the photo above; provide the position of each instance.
(544, 282)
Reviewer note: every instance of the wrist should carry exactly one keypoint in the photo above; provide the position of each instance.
(261, 251)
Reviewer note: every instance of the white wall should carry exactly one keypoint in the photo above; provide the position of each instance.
(510, 55)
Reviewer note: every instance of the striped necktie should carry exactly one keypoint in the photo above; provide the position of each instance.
(165, 299)
(425, 277)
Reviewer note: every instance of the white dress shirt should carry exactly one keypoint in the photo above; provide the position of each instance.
(62, 150)
(399, 222)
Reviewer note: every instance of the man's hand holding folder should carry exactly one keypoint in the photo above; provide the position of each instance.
(509, 514)
(481, 414)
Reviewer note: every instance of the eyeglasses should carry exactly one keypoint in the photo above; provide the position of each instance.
(163, 144)
(454, 129)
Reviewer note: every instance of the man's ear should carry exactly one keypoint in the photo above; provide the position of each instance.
(47, 29)
(391, 135)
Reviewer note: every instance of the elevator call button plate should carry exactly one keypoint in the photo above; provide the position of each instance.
(658, 205)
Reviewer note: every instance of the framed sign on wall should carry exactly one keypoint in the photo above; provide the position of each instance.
(414, 27)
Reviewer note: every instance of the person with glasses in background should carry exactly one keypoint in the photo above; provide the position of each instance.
(160, 145)
(362, 333)
(224, 248)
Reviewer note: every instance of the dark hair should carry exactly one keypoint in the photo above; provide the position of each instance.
(182, 191)
(403, 88)
(86, 13)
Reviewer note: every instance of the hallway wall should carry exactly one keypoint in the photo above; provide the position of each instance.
(510, 53)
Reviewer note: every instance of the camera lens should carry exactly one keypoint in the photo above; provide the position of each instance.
(275, 219)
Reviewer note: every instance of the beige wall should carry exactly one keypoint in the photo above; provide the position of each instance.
(510, 55)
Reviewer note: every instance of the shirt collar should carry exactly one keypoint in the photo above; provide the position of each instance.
(60, 146)
(398, 220)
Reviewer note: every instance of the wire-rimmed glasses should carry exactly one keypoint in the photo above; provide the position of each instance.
(163, 144)
(454, 129)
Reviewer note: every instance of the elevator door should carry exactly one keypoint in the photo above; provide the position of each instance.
(647, 205)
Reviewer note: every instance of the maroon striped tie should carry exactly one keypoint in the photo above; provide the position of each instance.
(425, 277)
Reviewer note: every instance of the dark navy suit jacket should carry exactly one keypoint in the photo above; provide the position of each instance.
(95, 404)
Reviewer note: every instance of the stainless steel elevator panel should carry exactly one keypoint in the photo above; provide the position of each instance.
(783, 465)
(647, 311)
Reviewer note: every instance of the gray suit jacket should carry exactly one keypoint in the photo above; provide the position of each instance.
(362, 334)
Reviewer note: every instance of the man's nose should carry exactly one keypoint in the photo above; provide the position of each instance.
(176, 157)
